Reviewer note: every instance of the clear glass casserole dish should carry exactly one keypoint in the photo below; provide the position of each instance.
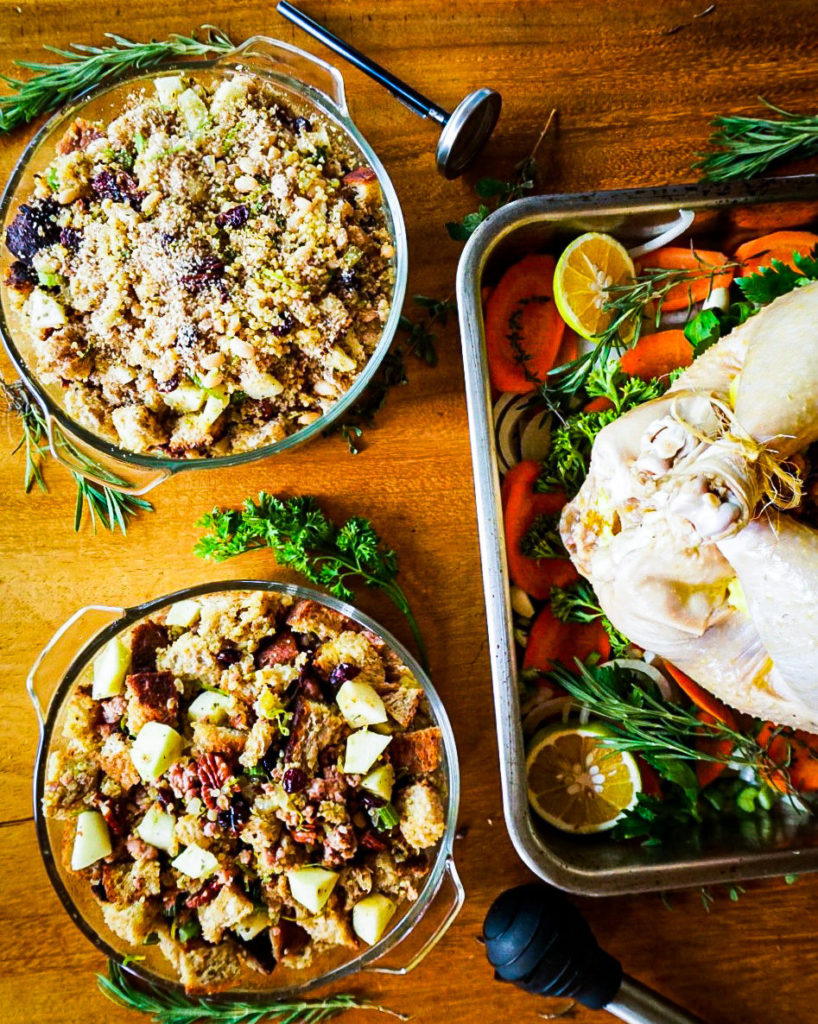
(67, 661)
(311, 84)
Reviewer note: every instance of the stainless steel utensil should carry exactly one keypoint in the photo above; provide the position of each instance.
(464, 132)
(729, 851)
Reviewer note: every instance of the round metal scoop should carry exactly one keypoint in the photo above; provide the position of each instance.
(465, 131)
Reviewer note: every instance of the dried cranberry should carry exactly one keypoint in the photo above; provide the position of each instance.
(206, 271)
(259, 949)
(270, 760)
(208, 892)
(119, 187)
(368, 800)
(302, 124)
(294, 780)
(285, 324)
(71, 238)
(237, 217)
(33, 229)
(164, 386)
(341, 673)
(235, 816)
(21, 276)
(228, 655)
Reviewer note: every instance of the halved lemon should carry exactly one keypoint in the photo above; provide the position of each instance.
(587, 268)
(576, 782)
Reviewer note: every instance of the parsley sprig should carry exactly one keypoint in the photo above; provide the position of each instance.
(744, 147)
(170, 1007)
(112, 508)
(52, 84)
(577, 602)
(302, 537)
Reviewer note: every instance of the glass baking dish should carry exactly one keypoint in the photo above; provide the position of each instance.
(417, 927)
(312, 83)
(713, 216)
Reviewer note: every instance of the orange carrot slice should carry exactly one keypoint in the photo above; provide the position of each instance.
(523, 328)
(700, 263)
(521, 506)
(709, 771)
(780, 245)
(551, 641)
(703, 699)
(656, 355)
(795, 751)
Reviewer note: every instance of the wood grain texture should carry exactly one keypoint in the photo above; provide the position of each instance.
(633, 106)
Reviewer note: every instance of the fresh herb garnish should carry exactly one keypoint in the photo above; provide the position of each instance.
(577, 602)
(498, 193)
(84, 66)
(111, 507)
(542, 540)
(168, 1006)
(420, 343)
(385, 817)
(746, 146)
(303, 538)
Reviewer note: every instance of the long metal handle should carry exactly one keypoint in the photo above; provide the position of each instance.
(405, 93)
(636, 1004)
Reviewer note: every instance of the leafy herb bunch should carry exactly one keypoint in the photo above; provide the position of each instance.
(302, 537)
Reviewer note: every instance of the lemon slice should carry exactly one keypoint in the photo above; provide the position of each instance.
(587, 267)
(577, 783)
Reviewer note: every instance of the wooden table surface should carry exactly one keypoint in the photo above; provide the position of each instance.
(634, 99)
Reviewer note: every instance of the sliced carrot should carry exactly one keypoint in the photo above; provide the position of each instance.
(521, 506)
(709, 771)
(796, 752)
(569, 348)
(703, 699)
(551, 641)
(600, 404)
(780, 245)
(698, 262)
(651, 786)
(656, 355)
(523, 328)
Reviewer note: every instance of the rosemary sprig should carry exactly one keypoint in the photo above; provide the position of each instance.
(52, 84)
(640, 722)
(743, 147)
(110, 507)
(303, 538)
(170, 1007)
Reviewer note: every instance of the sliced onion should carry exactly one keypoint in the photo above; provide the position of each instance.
(678, 227)
(676, 317)
(535, 440)
(719, 298)
(507, 412)
(556, 706)
(653, 673)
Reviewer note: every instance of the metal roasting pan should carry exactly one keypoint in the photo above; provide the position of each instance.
(725, 215)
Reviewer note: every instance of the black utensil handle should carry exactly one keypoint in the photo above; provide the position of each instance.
(405, 93)
(636, 1004)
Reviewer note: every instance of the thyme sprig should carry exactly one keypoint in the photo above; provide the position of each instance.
(112, 508)
(52, 84)
(171, 1007)
(744, 147)
(302, 537)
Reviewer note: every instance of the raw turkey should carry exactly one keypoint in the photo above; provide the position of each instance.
(684, 524)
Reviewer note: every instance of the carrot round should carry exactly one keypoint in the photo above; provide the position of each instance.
(709, 771)
(599, 404)
(569, 348)
(700, 263)
(521, 506)
(780, 245)
(651, 784)
(795, 751)
(551, 641)
(703, 699)
(523, 328)
(656, 355)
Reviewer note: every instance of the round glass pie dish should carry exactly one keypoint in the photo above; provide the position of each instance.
(306, 85)
(67, 661)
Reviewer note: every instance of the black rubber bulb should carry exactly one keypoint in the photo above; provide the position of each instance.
(540, 942)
